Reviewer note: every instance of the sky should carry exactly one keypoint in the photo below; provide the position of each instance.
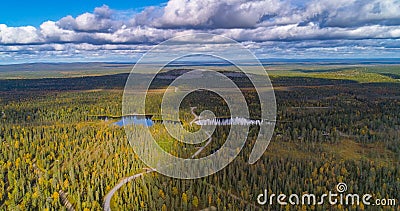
(122, 31)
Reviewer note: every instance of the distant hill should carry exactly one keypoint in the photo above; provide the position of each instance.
(64, 66)
(61, 70)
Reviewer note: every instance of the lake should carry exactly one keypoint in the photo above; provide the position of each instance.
(135, 120)
(147, 121)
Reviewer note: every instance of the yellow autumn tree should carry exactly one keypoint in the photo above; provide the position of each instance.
(184, 198)
(195, 201)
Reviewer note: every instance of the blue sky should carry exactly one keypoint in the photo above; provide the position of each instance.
(69, 31)
(27, 12)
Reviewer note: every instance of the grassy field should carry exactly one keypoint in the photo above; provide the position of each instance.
(362, 74)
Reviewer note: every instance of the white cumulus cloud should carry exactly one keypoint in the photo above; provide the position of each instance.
(19, 35)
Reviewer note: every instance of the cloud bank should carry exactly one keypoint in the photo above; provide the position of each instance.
(270, 28)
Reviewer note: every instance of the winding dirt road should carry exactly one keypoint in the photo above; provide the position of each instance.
(108, 197)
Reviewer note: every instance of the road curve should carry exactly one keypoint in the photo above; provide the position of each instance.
(108, 197)
(194, 114)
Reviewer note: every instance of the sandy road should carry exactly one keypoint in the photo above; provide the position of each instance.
(108, 197)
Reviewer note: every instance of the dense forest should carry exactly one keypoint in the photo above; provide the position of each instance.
(57, 155)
